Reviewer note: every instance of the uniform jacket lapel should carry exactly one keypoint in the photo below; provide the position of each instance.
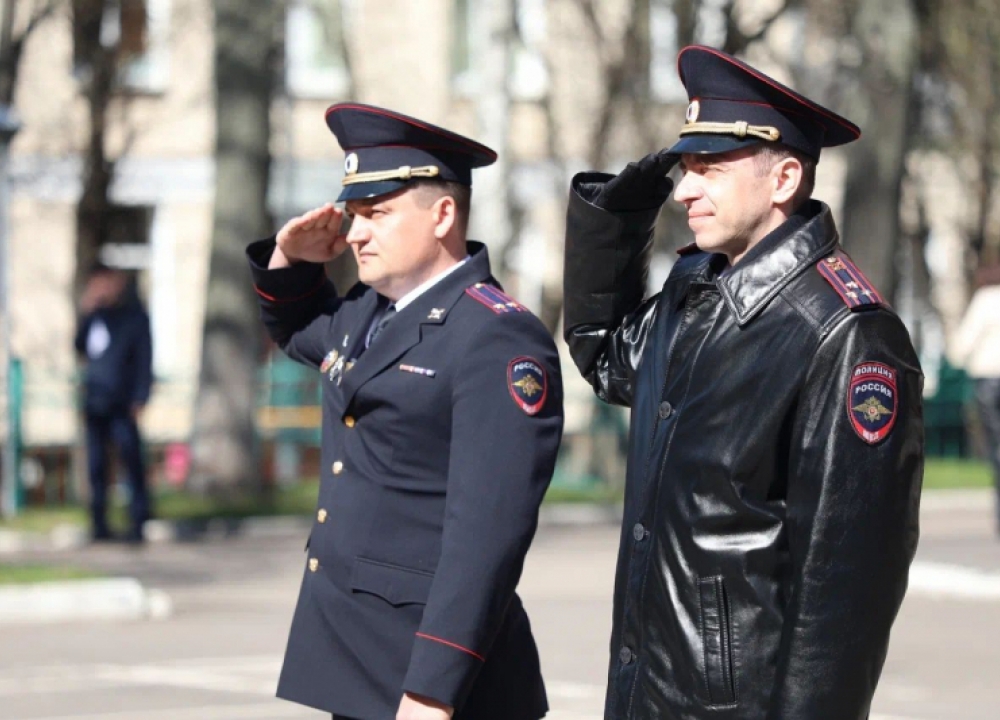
(407, 328)
(366, 314)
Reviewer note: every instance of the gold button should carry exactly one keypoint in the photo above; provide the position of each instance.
(321, 515)
(313, 564)
(349, 421)
(338, 467)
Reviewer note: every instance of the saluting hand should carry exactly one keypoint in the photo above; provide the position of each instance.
(416, 707)
(642, 185)
(311, 237)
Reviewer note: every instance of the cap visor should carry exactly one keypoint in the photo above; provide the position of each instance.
(706, 144)
(365, 190)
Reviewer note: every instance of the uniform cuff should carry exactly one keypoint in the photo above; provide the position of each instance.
(286, 284)
(442, 670)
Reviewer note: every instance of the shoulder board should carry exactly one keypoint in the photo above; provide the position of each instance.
(494, 298)
(850, 283)
(690, 249)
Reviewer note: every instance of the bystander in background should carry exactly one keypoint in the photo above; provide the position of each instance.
(113, 338)
(976, 348)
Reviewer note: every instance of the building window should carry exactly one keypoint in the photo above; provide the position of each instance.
(145, 44)
(126, 244)
(315, 52)
(136, 30)
(529, 77)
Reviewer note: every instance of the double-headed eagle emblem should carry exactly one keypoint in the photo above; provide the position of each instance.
(529, 386)
(872, 409)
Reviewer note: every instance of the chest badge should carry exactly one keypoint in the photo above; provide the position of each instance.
(436, 314)
(871, 401)
(333, 365)
(329, 360)
(528, 384)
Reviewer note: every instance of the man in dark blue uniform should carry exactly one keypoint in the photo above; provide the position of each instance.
(442, 415)
(114, 339)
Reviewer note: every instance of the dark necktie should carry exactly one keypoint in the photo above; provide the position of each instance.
(387, 315)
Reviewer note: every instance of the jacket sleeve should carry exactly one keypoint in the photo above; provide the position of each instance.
(852, 518)
(143, 359)
(296, 303)
(606, 267)
(501, 463)
(82, 328)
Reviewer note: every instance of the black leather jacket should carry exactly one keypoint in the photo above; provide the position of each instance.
(767, 540)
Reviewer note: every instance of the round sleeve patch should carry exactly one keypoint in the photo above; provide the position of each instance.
(527, 383)
(871, 401)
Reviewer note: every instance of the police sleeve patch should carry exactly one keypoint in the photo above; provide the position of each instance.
(528, 384)
(871, 401)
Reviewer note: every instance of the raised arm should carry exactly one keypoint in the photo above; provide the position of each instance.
(296, 299)
(609, 234)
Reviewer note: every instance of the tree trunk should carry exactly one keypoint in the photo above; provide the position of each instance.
(225, 451)
(887, 33)
(99, 65)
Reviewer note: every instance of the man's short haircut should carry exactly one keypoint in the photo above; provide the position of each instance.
(429, 191)
(768, 154)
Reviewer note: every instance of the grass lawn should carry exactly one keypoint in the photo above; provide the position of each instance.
(943, 473)
(23, 574)
(298, 499)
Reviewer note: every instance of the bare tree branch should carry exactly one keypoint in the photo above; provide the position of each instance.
(736, 40)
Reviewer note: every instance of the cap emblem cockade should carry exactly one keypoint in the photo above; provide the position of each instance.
(351, 163)
(692, 112)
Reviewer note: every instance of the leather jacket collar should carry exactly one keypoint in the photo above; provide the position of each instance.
(782, 255)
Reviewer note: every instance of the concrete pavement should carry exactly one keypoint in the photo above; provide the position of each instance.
(217, 656)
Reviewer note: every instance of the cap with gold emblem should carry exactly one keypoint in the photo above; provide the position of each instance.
(386, 150)
(734, 105)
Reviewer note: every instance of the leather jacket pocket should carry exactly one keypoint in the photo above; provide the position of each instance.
(717, 641)
(395, 584)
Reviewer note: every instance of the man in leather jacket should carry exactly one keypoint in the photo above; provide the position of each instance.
(776, 443)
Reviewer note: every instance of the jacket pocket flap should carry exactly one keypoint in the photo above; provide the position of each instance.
(393, 583)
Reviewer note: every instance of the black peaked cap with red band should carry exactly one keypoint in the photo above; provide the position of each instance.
(734, 105)
(386, 150)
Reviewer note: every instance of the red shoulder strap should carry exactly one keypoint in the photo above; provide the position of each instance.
(494, 298)
(850, 283)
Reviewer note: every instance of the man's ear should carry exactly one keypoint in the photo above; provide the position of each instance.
(445, 213)
(787, 178)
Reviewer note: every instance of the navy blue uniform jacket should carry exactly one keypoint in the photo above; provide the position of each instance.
(121, 375)
(439, 442)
